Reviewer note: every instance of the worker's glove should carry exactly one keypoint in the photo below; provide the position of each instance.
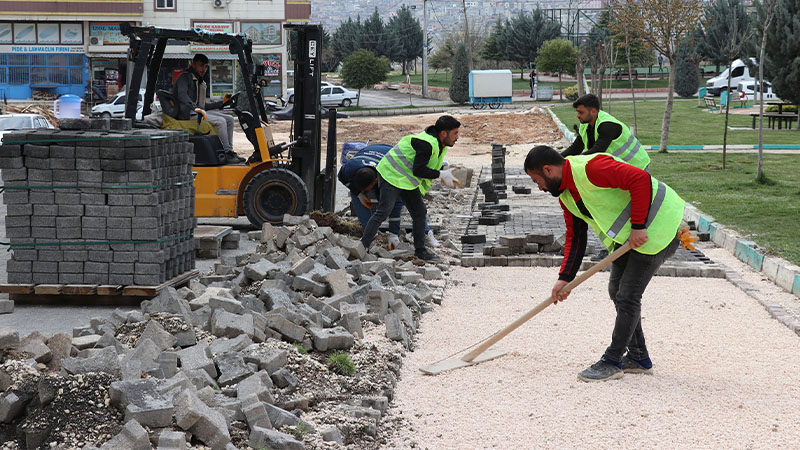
(447, 178)
(365, 200)
(392, 241)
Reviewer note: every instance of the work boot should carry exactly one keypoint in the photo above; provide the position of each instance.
(232, 158)
(630, 365)
(425, 255)
(430, 240)
(601, 371)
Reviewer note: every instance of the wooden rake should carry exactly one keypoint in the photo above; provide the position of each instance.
(483, 353)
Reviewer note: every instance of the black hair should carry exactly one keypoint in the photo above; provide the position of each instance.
(540, 156)
(446, 123)
(201, 58)
(588, 100)
(362, 178)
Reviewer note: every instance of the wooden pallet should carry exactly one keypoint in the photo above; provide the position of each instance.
(88, 290)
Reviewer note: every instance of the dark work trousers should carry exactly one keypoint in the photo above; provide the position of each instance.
(388, 197)
(630, 275)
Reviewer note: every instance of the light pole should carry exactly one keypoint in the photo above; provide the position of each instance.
(425, 48)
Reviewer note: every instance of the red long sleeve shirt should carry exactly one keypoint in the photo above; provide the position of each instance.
(602, 171)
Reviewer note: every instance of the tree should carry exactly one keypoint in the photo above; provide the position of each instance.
(524, 34)
(406, 31)
(781, 55)
(663, 24)
(766, 15)
(490, 50)
(459, 86)
(557, 55)
(687, 78)
(714, 32)
(594, 52)
(347, 38)
(363, 69)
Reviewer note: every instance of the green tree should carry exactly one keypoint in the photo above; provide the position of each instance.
(524, 34)
(347, 38)
(783, 49)
(663, 24)
(459, 86)
(377, 39)
(490, 50)
(713, 35)
(687, 78)
(363, 69)
(594, 51)
(557, 55)
(406, 31)
(766, 11)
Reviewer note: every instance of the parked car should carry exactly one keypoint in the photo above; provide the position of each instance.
(287, 112)
(290, 91)
(740, 74)
(13, 122)
(749, 91)
(115, 107)
(337, 95)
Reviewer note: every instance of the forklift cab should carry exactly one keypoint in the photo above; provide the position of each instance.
(275, 179)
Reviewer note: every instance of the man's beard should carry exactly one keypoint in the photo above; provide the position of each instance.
(553, 186)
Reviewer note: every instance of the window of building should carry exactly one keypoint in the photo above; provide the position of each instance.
(165, 4)
(221, 77)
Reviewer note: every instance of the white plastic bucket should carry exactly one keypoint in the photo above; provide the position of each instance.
(67, 106)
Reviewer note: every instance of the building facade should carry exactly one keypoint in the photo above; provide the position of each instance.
(75, 46)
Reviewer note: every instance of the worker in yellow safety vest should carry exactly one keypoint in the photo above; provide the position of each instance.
(407, 171)
(621, 203)
(600, 132)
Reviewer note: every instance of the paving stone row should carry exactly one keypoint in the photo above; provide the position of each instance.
(210, 359)
(98, 206)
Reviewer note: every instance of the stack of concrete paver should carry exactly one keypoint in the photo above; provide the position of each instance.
(499, 170)
(98, 207)
(224, 363)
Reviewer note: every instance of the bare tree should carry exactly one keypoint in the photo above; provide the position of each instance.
(662, 24)
(769, 9)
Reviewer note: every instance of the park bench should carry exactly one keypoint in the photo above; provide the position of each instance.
(773, 118)
(624, 73)
(711, 104)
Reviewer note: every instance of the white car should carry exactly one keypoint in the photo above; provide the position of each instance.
(290, 91)
(115, 107)
(749, 91)
(13, 122)
(337, 95)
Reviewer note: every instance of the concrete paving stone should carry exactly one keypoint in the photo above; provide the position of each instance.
(431, 273)
(338, 282)
(302, 266)
(168, 301)
(395, 330)
(353, 247)
(258, 384)
(255, 412)
(377, 302)
(260, 270)
(225, 324)
(280, 417)
(282, 236)
(267, 359)
(404, 313)
(105, 360)
(132, 437)
(141, 401)
(226, 345)
(171, 440)
(352, 323)
(228, 304)
(284, 378)
(232, 369)
(168, 363)
(337, 338)
(265, 438)
(198, 357)
(84, 342)
(156, 333)
(289, 330)
(335, 258)
(332, 434)
(206, 424)
(409, 277)
(304, 283)
(34, 345)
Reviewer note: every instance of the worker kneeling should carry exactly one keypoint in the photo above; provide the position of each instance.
(407, 171)
(621, 203)
(360, 175)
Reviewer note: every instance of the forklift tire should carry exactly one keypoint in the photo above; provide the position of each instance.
(273, 193)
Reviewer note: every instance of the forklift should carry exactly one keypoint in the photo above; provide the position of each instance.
(276, 179)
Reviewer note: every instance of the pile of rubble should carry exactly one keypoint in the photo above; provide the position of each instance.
(238, 358)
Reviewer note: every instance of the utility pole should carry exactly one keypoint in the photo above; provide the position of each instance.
(425, 48)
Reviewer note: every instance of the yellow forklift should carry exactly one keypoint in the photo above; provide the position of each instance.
(276, 179)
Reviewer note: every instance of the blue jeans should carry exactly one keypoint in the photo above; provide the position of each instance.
(363, 213)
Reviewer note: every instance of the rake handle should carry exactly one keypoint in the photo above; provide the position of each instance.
(544, 304)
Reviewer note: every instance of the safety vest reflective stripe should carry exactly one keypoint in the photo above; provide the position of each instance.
(626, 146)
(625, 215)
(393, 156)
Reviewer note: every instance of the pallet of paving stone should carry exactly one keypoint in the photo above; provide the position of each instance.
(42, 291)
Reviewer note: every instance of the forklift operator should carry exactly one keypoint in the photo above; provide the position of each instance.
(190, 93)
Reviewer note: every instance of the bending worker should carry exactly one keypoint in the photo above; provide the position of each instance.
(407, 171)
(360, 175)
(601, 132)
(621, 203)
(190, 93)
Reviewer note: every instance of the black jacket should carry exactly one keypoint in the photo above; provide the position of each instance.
(185, 92)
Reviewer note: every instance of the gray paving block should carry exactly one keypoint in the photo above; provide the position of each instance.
(208, 425)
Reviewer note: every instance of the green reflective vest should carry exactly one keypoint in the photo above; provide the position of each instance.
(397, 167)
(610, 209)
(626, 146)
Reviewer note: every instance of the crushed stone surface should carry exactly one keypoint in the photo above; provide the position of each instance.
(725, 372)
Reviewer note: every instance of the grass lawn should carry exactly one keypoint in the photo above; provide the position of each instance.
(441, 79)
(765, 213)
(690, 125)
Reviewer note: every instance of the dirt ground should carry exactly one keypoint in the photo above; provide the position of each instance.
(725, 372)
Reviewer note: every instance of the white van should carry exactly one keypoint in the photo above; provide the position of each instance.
(741, 73)
(749, 91)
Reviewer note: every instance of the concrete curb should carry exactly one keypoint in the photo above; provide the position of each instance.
(568, 135)
(397, 112)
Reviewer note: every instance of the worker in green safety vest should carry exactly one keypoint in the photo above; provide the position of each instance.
(407, 171)
(621, 203)
(600, 132)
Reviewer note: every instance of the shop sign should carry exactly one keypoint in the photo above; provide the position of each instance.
(208, 48)
(41, 49)
(272, 63)
(214, 27)
(263, 32)
(109, 33)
